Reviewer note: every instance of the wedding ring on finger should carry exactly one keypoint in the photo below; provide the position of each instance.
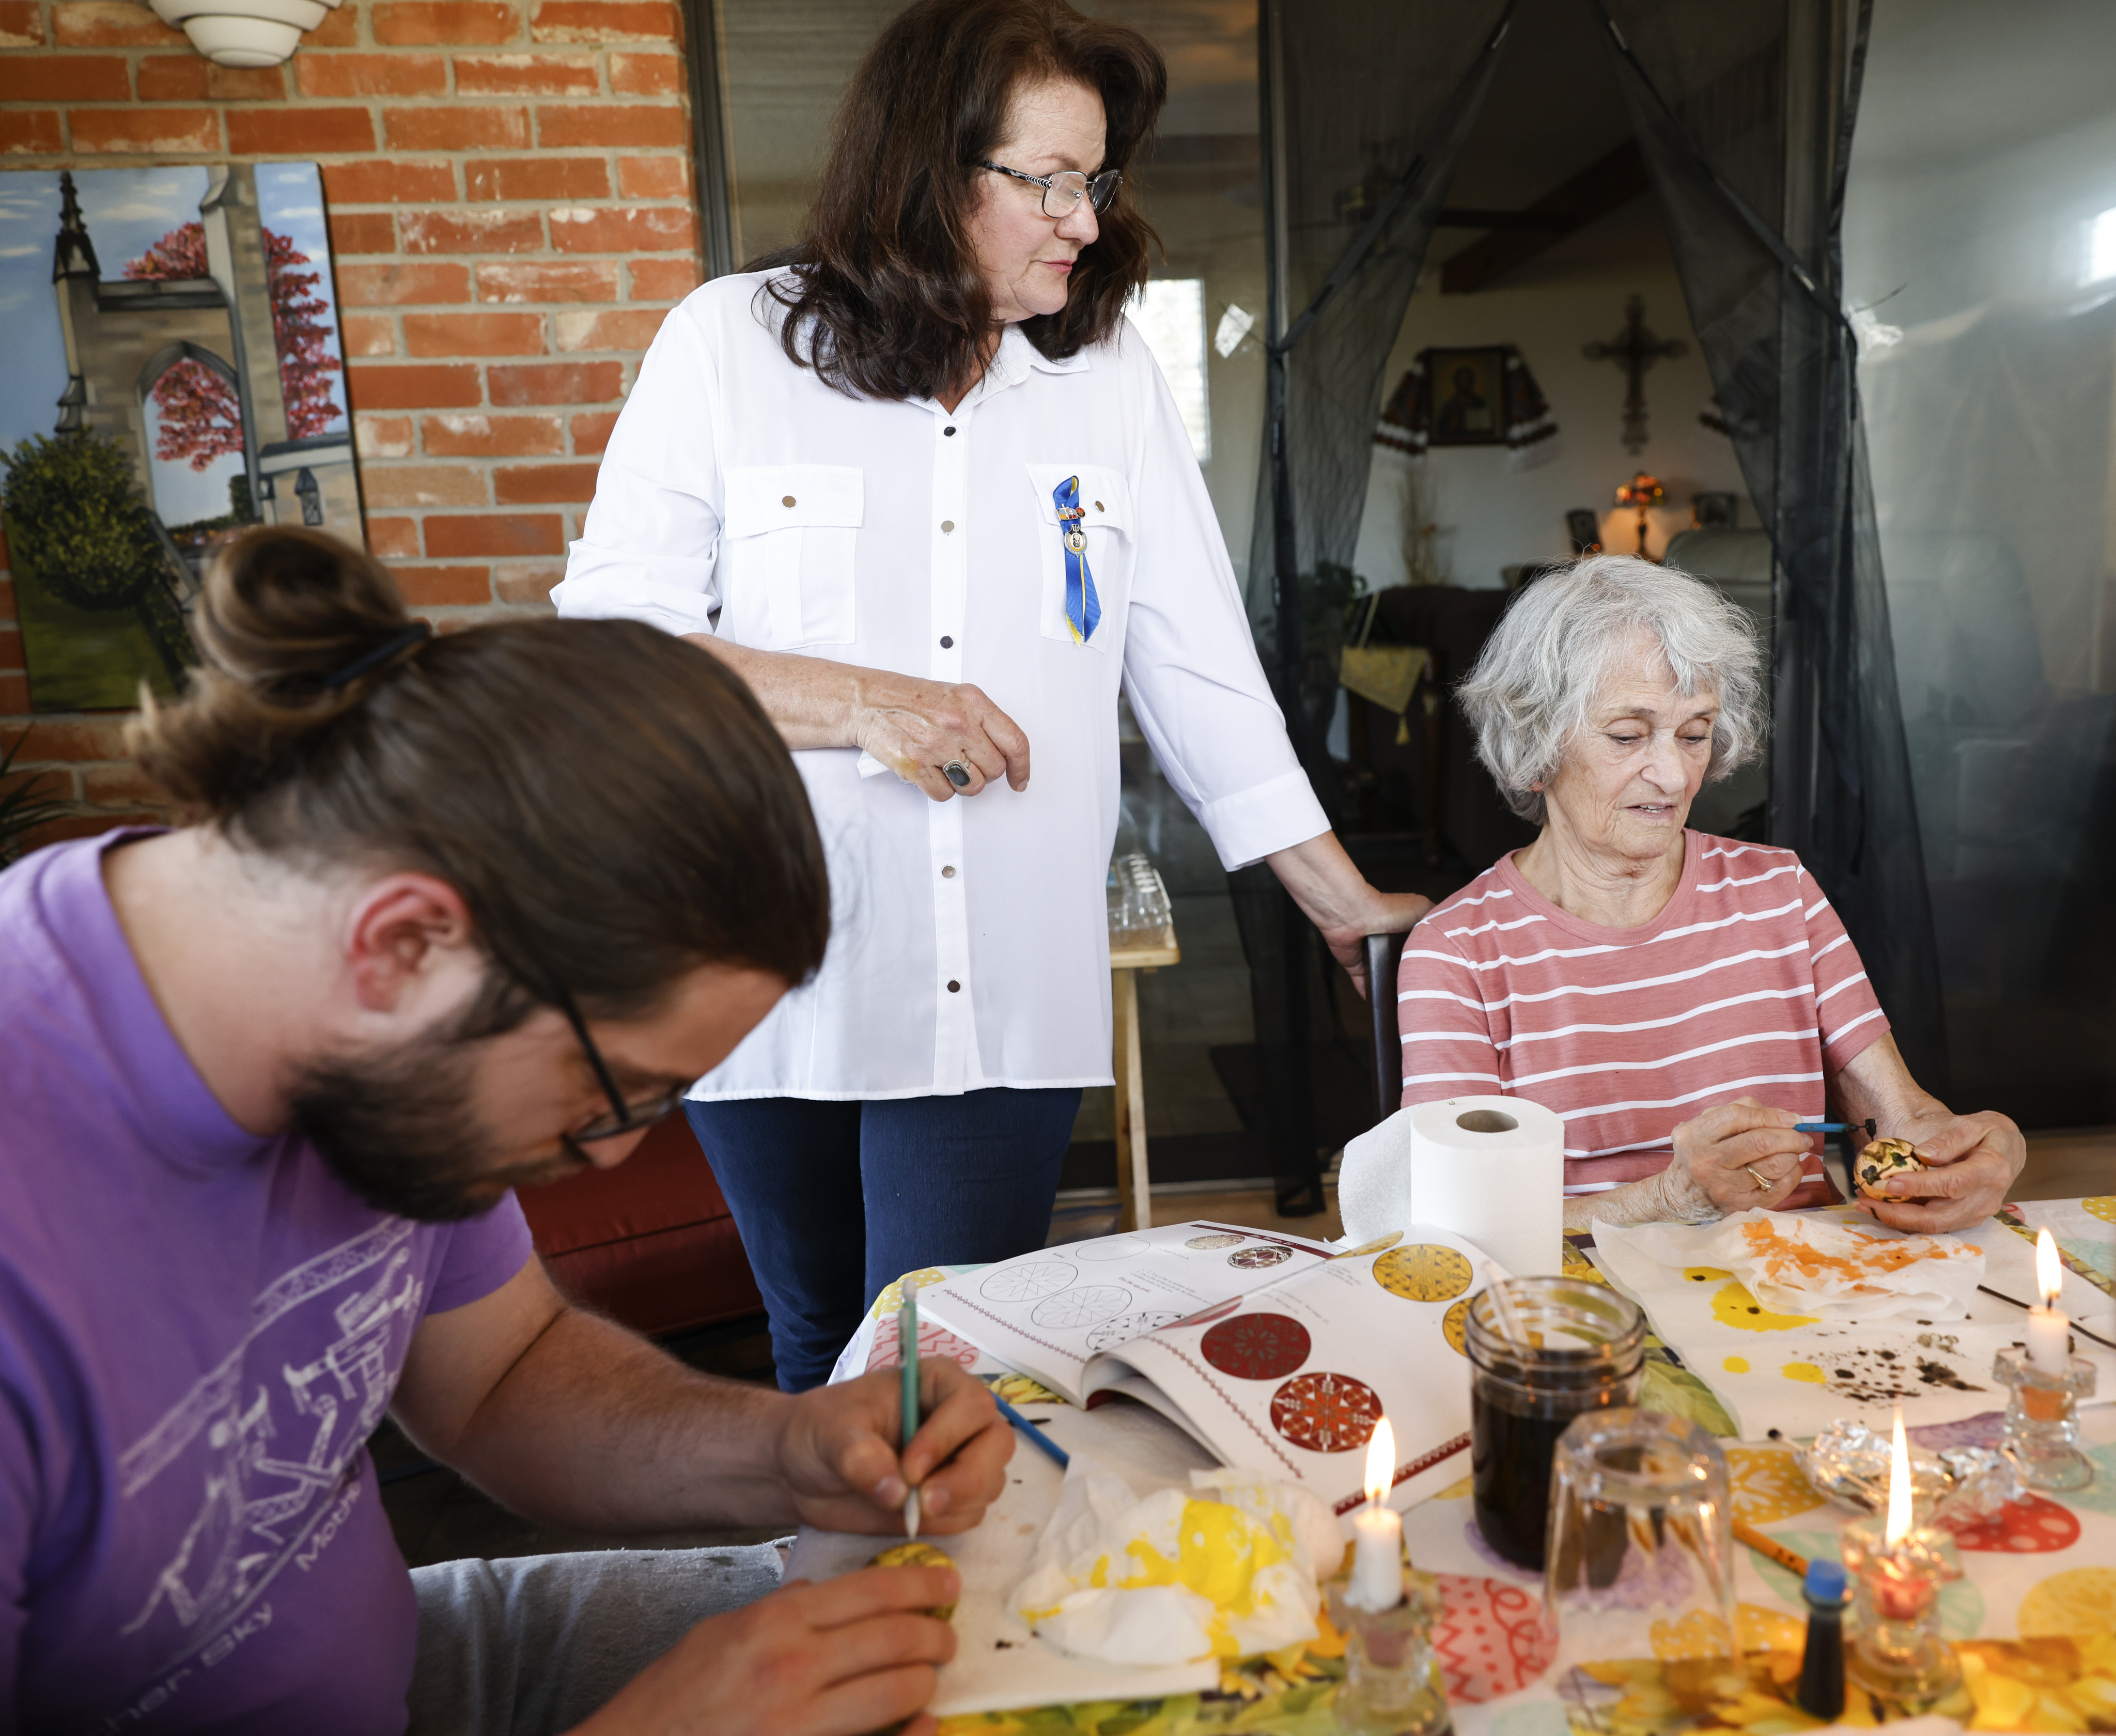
(1763, 1183)
(957, 773)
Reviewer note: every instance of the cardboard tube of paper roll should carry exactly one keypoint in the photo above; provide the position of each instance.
(1492, 1168)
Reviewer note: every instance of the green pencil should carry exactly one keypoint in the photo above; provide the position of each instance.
(907, 1344)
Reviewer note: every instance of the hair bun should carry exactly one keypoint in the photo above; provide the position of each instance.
(284, 609)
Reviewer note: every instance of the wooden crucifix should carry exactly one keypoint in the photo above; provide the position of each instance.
(1634, 349)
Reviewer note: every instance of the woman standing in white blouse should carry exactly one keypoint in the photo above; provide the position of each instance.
(924, 488)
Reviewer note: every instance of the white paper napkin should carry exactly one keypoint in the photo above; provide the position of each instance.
(1796, 1264)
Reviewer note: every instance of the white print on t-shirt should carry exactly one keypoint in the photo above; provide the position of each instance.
(322, 1349)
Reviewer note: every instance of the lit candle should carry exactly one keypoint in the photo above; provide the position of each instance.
(2050, 1331)
(1901, 1490)
(1377, 1532)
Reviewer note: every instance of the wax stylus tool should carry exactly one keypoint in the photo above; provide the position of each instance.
(1865, 1126)
(1036, 1435)
(907, 1345)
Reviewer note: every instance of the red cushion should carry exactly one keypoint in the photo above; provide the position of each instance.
(650, 1242)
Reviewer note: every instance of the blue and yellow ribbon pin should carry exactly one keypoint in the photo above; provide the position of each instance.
(1083, 608)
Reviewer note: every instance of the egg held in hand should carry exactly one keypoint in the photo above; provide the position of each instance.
(918, 1554)
(1885, 1158)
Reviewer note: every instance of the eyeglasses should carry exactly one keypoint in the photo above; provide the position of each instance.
(625, 1117)
(1063, 191)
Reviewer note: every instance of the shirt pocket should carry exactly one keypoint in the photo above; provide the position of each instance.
(1109, 525)
(787, 537)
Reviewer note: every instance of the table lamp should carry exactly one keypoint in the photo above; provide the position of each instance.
(1642, 492)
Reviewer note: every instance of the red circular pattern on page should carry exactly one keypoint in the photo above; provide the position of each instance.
(1257, 1346)
(2030, 1525)
(1249, 1259)
(1325, 1413)
(1491, 1639)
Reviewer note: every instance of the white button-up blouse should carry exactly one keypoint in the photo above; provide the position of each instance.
(742, 496)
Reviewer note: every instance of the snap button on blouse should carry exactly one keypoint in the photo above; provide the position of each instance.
(947, 431)
(947, 526)
(787, 501)
(947, 641)
(948, 872)
(955, 988)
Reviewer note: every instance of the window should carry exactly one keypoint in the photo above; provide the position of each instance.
(1169, 314)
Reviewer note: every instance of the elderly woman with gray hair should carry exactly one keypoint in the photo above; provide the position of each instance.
(1680, 1000)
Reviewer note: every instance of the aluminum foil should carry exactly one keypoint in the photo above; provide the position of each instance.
(1848, 1462)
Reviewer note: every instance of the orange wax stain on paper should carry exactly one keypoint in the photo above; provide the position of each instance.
(1805, 1371)
(1789, 1260)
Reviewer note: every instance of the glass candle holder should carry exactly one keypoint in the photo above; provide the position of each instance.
(2042, 1419)
(1896, 1652)
(1392, 1685)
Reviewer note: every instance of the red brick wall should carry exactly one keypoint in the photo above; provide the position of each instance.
(509, 190)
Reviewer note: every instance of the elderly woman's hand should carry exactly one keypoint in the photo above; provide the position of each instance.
(1971, 1163)
(1726, 1156)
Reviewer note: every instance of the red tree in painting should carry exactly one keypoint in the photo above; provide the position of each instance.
(201, 416)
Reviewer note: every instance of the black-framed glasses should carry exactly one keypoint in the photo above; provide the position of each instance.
(624, 1117)
(1063, 191)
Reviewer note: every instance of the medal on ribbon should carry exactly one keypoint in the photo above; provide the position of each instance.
(1083, 608)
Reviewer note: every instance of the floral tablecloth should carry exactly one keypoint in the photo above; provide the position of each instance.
(2033, 1619)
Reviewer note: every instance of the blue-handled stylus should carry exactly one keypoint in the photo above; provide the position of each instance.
(1035, 1434)
(1834, 1126)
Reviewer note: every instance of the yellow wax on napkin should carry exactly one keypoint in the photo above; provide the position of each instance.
(1227, 1569)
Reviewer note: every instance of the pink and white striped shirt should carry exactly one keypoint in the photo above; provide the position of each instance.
(1746, 985)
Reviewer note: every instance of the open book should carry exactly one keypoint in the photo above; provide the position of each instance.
(1277, 1355)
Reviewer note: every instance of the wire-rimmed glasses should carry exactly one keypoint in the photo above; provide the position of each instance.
(1063, 191)
(624, 1117)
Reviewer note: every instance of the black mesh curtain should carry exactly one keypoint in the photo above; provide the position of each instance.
(1366, 108)
(1744, 111)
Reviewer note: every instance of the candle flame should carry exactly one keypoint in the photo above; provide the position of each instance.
(1380, 1462)
(1899, 1486)
(2049, 1271)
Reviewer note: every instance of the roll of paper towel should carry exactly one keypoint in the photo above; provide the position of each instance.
(1492, 1168)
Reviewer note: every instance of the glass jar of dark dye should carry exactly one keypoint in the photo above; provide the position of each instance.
(1583, 1349)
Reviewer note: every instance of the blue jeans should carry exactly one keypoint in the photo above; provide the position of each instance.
(835, 1200)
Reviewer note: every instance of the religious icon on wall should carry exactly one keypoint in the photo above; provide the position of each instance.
(175, 373)
(1469, 396)
(1484, 396)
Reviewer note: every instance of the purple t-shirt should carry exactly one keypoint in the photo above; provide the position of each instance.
(198, 1329)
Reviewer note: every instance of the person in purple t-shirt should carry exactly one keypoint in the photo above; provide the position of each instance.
(454, 914)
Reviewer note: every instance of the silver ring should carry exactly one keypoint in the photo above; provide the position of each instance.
(957, 773)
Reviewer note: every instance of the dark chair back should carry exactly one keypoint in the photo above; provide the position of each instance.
(1384, 954)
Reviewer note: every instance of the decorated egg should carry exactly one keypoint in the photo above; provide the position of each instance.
(918, 1554)
(1880, 1160)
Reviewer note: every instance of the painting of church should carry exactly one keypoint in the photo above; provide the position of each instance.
(189, 381)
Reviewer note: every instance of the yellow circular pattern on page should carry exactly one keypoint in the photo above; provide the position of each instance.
(1426, 1271)
(1454, 1326)
(2080, 1600)
(2102, 1206)
(1733, 1306)
(1767, 1486)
